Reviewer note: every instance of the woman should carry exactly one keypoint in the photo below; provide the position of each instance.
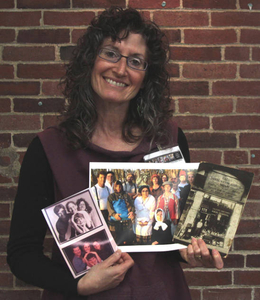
(144, 209)
(169, 203)
(161, 232)
(82, 205)
(118, 110)
(156, 188)
(87, 249)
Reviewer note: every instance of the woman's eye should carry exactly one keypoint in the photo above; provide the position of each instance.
(110, 54)
(135, 61)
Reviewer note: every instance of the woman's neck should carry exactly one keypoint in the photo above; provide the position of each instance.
(108, 131)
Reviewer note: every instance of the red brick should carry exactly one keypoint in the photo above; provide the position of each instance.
(153, 4)
(203, 278)
(66, 52)
(6, 72)
(244, 4)
(21, 156)
(253, 261)
(211, 140)
(246, 277)
(205, 105)
(76, 34)
(234, 261)
(51, 88)
(248, 227)
(220, 4)
(235, 157)
(23, 139)
(192, 122)
(98, 4)
(4, 211)
(7, 194)
(181, 19)
(5, 105)
(204, 155)
(6, 280)
(254, 192)
(173, 70)
(212, 71)
(250, 36)
(195, 294)
(227, 294)
(21, 295)
(7, 35)
(173, 36)
(5, 160)
(189, 88)
(235, 19)
(257, 293)
(20, 18)
(251, 209)
(3, 264)
(29, 53)
(248, 105)
(58, 36)
(4, 179)
(3, 244)
(237, 53)
(4, 227)
(19, 88)
(255, 157)
(239, 88)
(247, 243)
(210, 36)
(5, 140)
(38, 105)
(68, 18)
(50, 121)
(6, 4)
(236, 122)
(20, 122)
(249, 140)
(43, 4)
(195, 53)
(250, 71)
(256, 54)
(46, 71)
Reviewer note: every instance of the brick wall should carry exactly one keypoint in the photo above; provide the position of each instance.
(215, 69)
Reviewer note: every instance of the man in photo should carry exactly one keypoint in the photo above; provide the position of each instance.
(130, 187)
(101, 193)
(121, 215)
(183, 190)
(110, 181)
(63, 224)
(77, 260)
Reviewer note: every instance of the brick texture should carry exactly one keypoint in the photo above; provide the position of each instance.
(215, 88)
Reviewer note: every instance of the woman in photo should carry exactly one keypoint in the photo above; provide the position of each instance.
(156, 188)
(144, 208)
(83, 205)
(118, 110)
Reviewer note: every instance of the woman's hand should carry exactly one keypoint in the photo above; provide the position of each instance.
(106, 275)
(197, 255)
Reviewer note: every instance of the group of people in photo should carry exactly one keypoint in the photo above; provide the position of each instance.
(146, 213)
(74, 218)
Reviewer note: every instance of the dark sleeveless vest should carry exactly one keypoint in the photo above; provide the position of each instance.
(154, 275)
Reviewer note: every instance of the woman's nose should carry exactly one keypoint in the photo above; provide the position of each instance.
(120, 66)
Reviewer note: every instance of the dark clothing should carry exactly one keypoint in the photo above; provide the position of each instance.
(162, 236)
(156, 192)
(52, 171)
(184, 192)
(62, 227)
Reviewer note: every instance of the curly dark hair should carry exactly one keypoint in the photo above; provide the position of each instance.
(80, 116)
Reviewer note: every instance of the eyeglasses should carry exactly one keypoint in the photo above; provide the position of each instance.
(133, 62)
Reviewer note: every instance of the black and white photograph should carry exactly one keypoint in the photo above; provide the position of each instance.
(73, 217)
(214, 206)
(142, 202)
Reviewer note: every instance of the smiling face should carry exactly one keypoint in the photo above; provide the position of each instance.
(116, 82)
